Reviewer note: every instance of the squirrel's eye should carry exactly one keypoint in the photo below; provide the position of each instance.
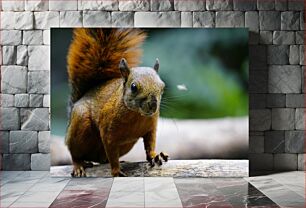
(133, 88)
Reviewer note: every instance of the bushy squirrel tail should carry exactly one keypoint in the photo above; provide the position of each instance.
(94, 56)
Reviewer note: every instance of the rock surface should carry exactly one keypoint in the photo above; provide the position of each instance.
(37, 120)
(23, 142)
(172, 168)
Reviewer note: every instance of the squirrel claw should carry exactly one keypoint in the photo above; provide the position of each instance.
(165, 156)
(158, 160)
(78, 172)
(151, 162)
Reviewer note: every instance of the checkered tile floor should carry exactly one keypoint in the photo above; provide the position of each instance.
(38, 189)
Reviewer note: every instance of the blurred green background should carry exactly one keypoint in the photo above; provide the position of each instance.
(205, 71)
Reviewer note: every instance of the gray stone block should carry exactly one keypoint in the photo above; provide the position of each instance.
(40, 161)
(253, 38)
(283, 118)
(46, 101)
(258, 81)
(162, 5)
(302, 20)
(229, 19)
(13, 5)
(71, 19)
(285, 79)
(274, 141)
(98, 5)
(13, 79)
(10, 37)
(265, 37)
(260, 120)
(37, 5)
(281, 5)
(257, 101)
(7, 20)
(299, 37)
(4, 141)
(23, 142)
(122, 19)
(63, 5)
(6, 100)
(46, 37)
(256, 144)
(203, 19)
(222, 5)
(39, 58)
(269, 20)
(157, 19)
(134, 5)
(297, 5)
(276, 100)
(285, 162)
(22, 55)
(9, 119)
(21, 100)
(302, 55)
(294, 141)
(294, 54)
(303, 79)
(36, 100)
(246, 5)
(295, 100)
(300, 119)
(186, 19)
(301, 162)
(195, 5)
(265, 5)
(283, 37)
(290, 21)
(261, 161)
(256, 133)
(258, 56)
(9, 55)
(45, 20)
(44, 142)
(37, 120)
(278, 54)
(24, 114)
(16, 162)
(251, 21)
(24, 20)
(39, 82)
(33, 37)
(97, 19)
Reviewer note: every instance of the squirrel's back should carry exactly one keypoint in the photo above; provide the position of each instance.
(94, 56)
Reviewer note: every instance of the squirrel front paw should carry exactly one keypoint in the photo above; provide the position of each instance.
(158, 159)
(78, 171)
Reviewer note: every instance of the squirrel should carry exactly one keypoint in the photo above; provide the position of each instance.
(113, 102)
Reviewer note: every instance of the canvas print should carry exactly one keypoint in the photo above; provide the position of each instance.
(149, 102)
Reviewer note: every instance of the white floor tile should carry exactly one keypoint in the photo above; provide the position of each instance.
(125, 199)
(153, 184)
(128, 184)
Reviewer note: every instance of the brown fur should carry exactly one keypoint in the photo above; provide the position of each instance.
(94, 55)
(102, 127)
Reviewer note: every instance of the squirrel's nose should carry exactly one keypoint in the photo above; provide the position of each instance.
(153, 104)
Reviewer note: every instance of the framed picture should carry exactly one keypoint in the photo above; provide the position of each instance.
(149, 102)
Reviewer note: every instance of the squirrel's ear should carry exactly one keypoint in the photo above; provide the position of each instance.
(124, 68)
(156, 66)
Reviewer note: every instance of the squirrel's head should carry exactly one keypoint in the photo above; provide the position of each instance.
(143, 88)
